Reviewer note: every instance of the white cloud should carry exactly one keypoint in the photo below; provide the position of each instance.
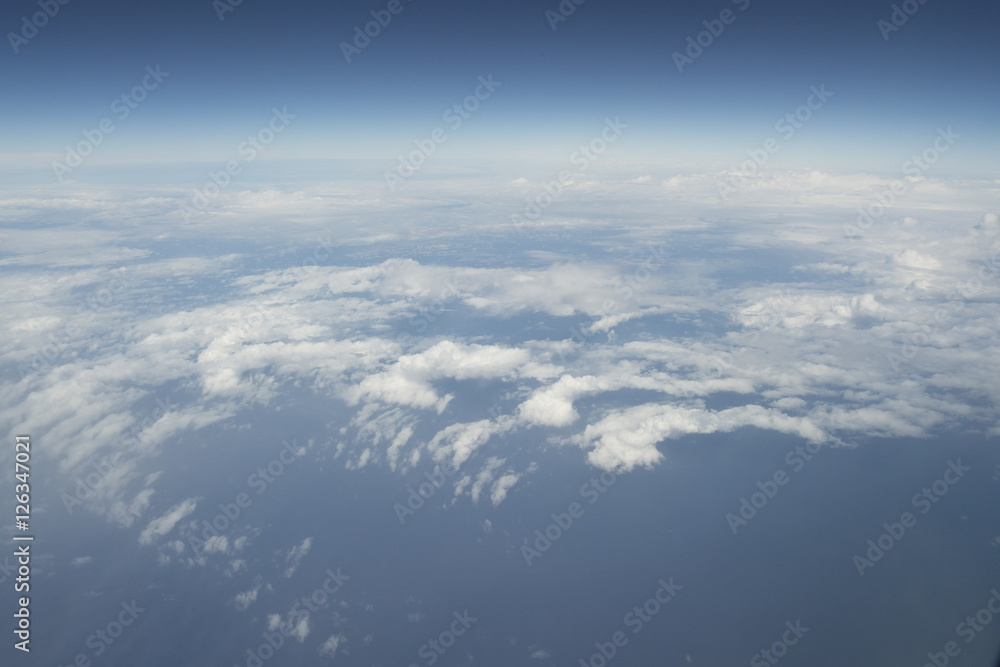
(811, 344)
(484, 477)
(299, 629)
(217, 544)
(553, 405)
(502, 486)
(125, 514)
(244, 600)
(408, 381)
(330, 646)
(162, 525)
(295, 556)
(460, 441)
(627, 438)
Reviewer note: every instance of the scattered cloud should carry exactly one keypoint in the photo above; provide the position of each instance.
(295, 556)
(162, 525)
(330, 646)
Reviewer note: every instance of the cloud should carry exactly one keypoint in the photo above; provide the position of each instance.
(124, 514)
(81, 560)
(889, 335)
(627, 438)
(295, 555)
(235, 566)
(299, 630)
(914, 259)
(330, 646)
(161, 526)
(408, 380)
(216, 544)
(502, 486)
(460, 441)
(484, 477)
(553, 405)
(244, 600)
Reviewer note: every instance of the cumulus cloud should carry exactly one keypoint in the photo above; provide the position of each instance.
(553, 405)
(627, 438)
(885, 335)
(408, 380)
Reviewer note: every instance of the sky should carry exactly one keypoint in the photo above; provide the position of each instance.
(228, 68)
(508, 334)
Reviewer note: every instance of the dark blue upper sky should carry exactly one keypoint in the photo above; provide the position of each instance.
(607, 59)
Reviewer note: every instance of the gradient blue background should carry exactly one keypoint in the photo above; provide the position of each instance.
(607, 59)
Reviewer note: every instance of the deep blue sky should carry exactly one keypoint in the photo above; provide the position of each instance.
(608, 59)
